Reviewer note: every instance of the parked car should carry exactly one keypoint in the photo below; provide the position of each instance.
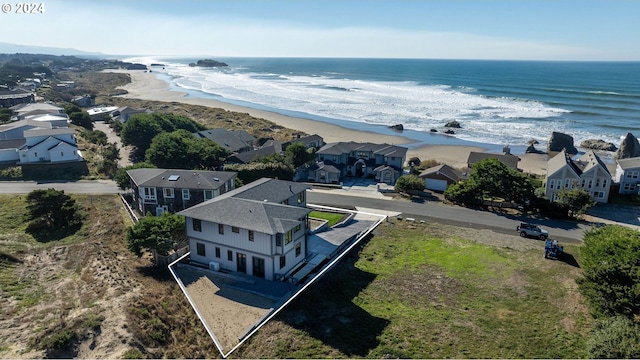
(532, 230)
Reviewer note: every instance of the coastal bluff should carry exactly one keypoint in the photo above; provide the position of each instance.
(208, 63)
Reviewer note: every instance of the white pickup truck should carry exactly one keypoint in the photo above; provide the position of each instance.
(531, 230)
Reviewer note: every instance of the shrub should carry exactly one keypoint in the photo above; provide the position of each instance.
(614, 338)
(409, 183)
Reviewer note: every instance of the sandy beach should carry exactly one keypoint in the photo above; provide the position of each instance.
(147, 86)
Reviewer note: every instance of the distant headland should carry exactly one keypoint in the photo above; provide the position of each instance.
(208, 63)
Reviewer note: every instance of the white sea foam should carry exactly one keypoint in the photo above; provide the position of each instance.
(418, 107)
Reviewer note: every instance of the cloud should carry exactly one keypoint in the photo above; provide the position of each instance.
(117, 30)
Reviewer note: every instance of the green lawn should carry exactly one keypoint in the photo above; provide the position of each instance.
(331, 217)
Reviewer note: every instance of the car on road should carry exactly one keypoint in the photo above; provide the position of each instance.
(531, 230)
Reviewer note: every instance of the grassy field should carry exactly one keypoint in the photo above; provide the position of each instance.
(411, 291)
(416, 292)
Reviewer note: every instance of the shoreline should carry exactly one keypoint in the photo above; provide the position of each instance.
(454, 152)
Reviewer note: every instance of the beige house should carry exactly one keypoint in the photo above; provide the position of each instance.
(588, 172)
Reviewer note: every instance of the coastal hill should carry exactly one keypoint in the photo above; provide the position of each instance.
(208, 63)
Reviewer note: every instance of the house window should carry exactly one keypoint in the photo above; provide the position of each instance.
(630, 174)
(597, 182)
(566, 183)
(149, 192)
(298, 249)
(61, 153)
(220, 229)
(217, 252)
(208, 195)
(200, 249)
(286, 202)
(168, 193)
(301, 197)
(251, 238)
(590, 183)
(197, 225)
(551, 182)
(582, 184)
(235, 229)
(288, 237)
(185, 194)
(35, 154)
(283, 261)
(598, 194)
(297, 228)
(229, 255)
(604, 183)
(278, 239)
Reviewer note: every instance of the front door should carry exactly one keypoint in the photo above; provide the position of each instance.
(258, 267)
(242, 262)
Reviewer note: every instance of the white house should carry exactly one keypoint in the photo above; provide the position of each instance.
(627, 175)
(49, 145)
(588, 172)
(259, 229)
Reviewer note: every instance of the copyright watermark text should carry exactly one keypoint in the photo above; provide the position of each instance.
(22, 8)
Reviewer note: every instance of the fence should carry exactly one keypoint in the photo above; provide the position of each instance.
(161, 260)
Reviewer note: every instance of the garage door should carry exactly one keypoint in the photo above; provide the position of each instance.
(437, 185)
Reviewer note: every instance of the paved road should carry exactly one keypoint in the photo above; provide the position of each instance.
(80, 187)
(428, 211)
(455, 215)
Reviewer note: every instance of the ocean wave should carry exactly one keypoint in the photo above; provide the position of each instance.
(490, 113)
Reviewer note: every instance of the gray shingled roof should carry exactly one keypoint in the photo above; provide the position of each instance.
(272, 190)
(629, 163)
(261, 216)
(509, 160)
(188, 179)
(442, 169)
(12, 144)
(232, 140)
(339, 148)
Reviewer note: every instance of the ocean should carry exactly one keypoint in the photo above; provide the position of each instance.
(497, 103)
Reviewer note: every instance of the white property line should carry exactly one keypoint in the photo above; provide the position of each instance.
(276, 311)
(193, 304)
(320, 274)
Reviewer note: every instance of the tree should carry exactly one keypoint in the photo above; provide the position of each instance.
(51, 208)
(577, 201)
(611, 270)
(409, 182)
(122, 178)
(156, 233)
(298, 154)
(140, 129)
(81, 118)
(496, 180)
(181, 150)
(617, 337)
(463, 192)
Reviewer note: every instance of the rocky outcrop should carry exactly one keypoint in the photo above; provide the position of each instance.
(136, 67)
(532, 150)
(629, 147)
(397, 127)
(208, 63)
(450, 132)
(559, 141)
(533, 142)
(453, 124)
(595, 144)
(433, 130)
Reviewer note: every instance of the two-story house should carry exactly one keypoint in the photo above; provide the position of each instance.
(588, 172)
(628, 175)
(157, 191)
(259, 229)
(383, 162)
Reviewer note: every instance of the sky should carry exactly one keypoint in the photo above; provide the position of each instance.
(432, 29)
